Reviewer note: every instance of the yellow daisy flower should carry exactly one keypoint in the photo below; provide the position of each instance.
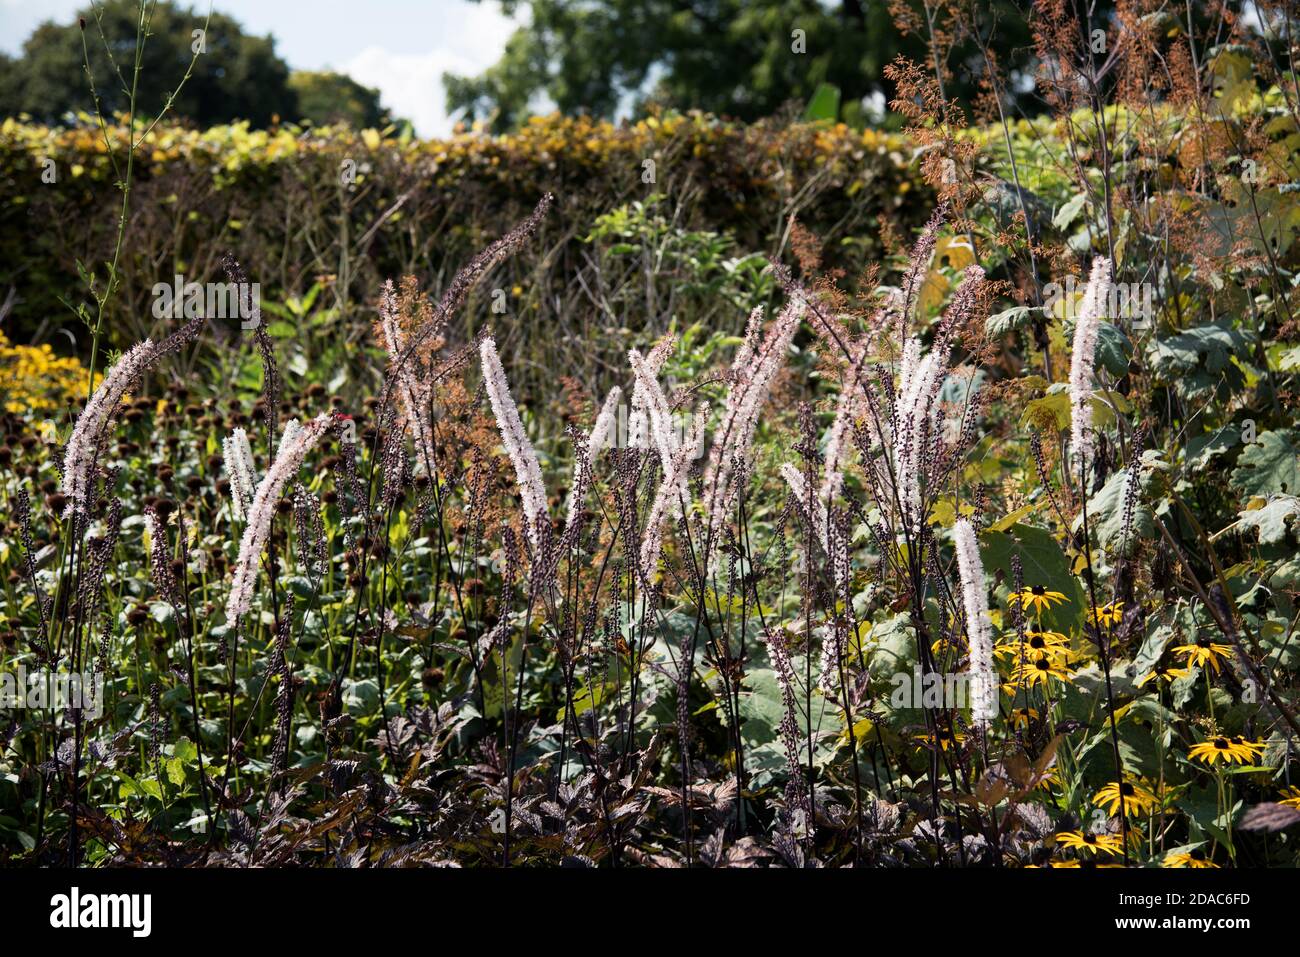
(1137, 799)
(1091, 843)
(1203, 652)
(1022, 717)
(1228, 750)
(1036, 642)
(1038, 671)
(1037, 597)
(946, 738)
(1050, 780)
(940, 647)
(1107, 615)
(1084, 864)
(1186, 859)
(1163, 671)
(1291, 797)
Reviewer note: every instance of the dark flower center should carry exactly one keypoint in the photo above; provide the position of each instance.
(1126, 789)
(1038, 590)
(1221, 744)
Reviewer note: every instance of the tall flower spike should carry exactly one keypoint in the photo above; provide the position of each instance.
(914, 420)
(672, 493)
(528, 474)
(597, 442)
(657, 412)
(1083, 355)
(638, 424)
(848, 409)
(979, 631)
(79, 457)
(291, 428)
(239, 467)
(752, 374)
(814, 511)
(288, 459)
(410, 394)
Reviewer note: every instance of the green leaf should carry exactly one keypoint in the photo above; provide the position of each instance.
(761, 709)
(1202, 448)
(310, 298)
(1197, 362)
(1271, 520)
(891, 647)
(585, 700)
(824, 106)
(1042, 562)
(1269, 466)
(184, 750)
(1017, 317)
(1069, 210)
(175, 771)
(300, 586)
(1106, 515)
(130, 787)
(1113, 349)
(1048, 412)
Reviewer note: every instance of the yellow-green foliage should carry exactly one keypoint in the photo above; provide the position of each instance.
(34, 379)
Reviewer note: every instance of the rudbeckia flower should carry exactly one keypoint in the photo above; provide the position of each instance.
(1092, 843)
(1086, 864)
(1037, 671)
(1137, 800)
(1203, 652)
(1107, 615)
(1186, 859)
(1291, 797)
(1228, 750)
(1037, 597)
(1163, 671)
(1036, 643)
(945, 739)
(1022, 717)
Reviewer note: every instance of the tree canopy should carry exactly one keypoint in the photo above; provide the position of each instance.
(235, 76)
(327, 98)
(742, 58)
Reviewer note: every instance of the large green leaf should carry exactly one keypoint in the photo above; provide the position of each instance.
(1269, 466)
(1202, 448)
(1113, 349)
(1197, 361)
(1042, 562)
(1017, 317)
(824, 105)
(1106, 516)
(1271, 520)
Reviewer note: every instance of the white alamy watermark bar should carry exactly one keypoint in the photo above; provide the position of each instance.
(933, 689)
(62, 690)
(208, 300)
(75, 910)
(1133, 302)
(629, 430)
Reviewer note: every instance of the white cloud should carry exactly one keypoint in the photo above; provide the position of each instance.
(411, 84)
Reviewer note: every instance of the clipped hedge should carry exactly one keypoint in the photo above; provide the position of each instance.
(294, 204)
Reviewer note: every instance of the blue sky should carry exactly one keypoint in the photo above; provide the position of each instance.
(402, 47)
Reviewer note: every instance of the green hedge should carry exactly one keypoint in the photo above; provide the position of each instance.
(294, 204)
